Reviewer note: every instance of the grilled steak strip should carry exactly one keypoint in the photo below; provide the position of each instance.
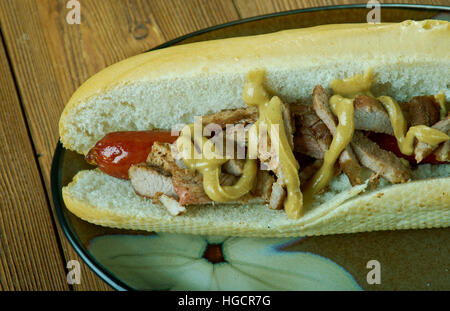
(189, 188)
(370, 115)
(288, 123)
(277, 196)
(161, 156)
(235, 116)
(187, 184)
(263, 185)
(150, 181)
(312, 136)
(313, 126)
(347, 160)
(381, 161)
(422, 150)
(442, 154)
(421, 110)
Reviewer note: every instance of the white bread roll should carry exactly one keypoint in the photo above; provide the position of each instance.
(162, 88)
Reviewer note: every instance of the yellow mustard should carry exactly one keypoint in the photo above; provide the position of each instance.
(270, 114)
(356, 85)
(405, 139)
(440, 98)
(343, 109)
(209, 164)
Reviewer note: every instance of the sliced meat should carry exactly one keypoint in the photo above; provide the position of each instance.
(149, 182)
(442, 154)
(421, 110)
(422, 150)
(263, 185)
(188, 185)
(349, 163)
(173, 207)
(269, 160)
(347, 160)
(227, 179)
(307, 143)
(309, 170)
(321, 106)
(189, 188)
(312, 136)
(381, 161)
(260, 194)
(267, 155)
(277, 196)
(288, 123)
(370, 115)
(234, 167)
(161, 156)
(235, 116)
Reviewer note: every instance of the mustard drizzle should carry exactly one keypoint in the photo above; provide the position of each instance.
(405, 138)
(209, 164)
(270, 113)
(344, 110)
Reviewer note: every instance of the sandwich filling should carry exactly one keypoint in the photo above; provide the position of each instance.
(281, 154)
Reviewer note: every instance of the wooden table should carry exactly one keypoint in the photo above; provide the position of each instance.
(43, 59)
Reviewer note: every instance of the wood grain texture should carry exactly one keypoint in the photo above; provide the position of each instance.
(260, 7)
(50, 59)
(178, 17)
(30, 258)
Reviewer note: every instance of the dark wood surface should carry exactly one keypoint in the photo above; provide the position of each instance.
(43, 59)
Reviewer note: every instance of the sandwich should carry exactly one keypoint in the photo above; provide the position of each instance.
(322, 130)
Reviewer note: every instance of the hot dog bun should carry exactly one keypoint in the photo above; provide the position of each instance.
(166, 87)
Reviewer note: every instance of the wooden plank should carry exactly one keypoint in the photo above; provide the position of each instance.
(39, 86)
(30, 258)
(52, 58)
(179, 17)
(260, 7)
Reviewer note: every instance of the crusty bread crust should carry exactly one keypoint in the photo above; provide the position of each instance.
(162, 88)
(418, 204)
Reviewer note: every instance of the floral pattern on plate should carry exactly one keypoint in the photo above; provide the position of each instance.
(189, 262)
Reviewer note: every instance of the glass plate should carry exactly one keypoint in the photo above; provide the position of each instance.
(388, 260)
